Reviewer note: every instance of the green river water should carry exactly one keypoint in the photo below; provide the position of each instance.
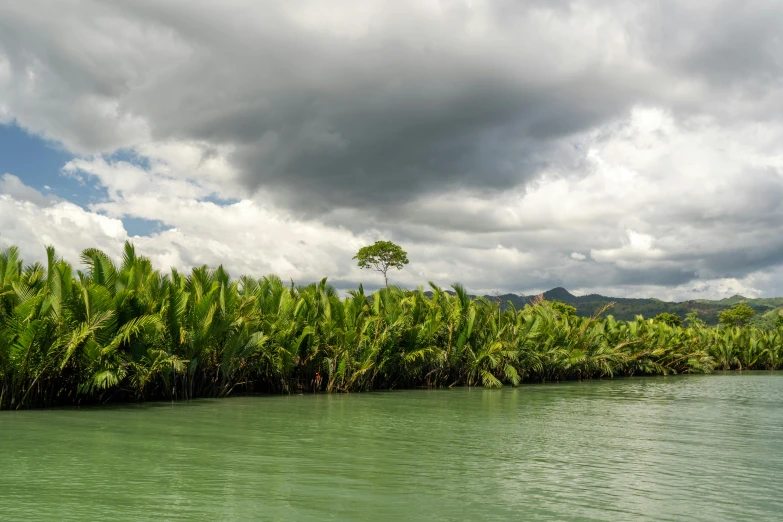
(670, 448)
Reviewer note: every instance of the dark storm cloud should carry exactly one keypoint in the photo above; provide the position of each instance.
(725, 42)
(327, 121)
(414, 102)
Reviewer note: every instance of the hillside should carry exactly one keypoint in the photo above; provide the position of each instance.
(628, 308)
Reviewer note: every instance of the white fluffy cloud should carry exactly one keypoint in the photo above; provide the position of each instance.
(244, 236)
(30, 220)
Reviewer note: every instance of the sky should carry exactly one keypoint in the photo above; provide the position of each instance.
(626, 148)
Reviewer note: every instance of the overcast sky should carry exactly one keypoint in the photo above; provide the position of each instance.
(626, 148)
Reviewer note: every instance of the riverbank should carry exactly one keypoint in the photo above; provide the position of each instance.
(130, 333)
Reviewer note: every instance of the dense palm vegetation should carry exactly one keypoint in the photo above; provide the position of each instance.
(127, 332)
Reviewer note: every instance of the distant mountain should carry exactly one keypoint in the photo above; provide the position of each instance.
(560, 294)
(628, 308)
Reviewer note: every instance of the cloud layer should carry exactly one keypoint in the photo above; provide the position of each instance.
(598, 145)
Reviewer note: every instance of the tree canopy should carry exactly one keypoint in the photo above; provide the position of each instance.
(737, 315)
(381, 256)
(563, 309)
(669, 318)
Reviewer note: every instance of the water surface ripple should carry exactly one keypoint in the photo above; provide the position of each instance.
(675, 448)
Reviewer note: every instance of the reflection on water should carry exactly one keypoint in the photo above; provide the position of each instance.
(676, 448)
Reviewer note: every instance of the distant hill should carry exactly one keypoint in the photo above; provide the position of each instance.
(772, 302)
(628, 308)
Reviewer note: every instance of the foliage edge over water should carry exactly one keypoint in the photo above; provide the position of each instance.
(128, 332)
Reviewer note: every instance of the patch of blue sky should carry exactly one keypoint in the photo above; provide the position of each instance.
(136, 226)
(221, 202)
(38, 163)
(129, 156)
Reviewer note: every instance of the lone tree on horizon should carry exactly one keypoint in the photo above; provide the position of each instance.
(382, 256)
